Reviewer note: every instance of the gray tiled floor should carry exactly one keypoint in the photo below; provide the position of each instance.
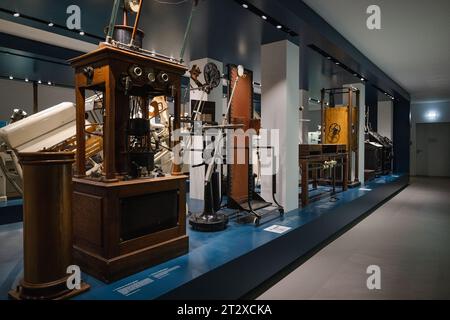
(408, 237)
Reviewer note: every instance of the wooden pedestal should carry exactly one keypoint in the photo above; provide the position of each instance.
(47, 227)
(121, 228)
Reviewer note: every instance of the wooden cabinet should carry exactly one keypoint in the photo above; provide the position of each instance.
(121, 228)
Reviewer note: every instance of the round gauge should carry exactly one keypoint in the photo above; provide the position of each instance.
(212, 75)
(132, 5)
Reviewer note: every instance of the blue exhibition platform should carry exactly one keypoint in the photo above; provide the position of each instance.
(227, 264)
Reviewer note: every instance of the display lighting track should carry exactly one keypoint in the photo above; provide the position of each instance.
(338, 63)
(35, 57)
(267, 18)
(348, 69)
(41, 82)
(384, 92)
(50, 24)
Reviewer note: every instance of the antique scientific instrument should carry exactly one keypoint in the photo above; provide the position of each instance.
(240, 193)
(210, 219)
(58, 135)
(340, 124)
(241, 189)
(126, 219)
(378, 153)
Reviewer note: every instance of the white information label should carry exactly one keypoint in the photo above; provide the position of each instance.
(277, 229)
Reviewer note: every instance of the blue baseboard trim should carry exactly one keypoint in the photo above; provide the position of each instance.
(238, 277)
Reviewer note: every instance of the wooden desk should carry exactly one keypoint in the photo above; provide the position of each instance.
(317, 155)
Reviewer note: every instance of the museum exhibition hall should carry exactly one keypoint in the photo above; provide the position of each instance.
(224, 150)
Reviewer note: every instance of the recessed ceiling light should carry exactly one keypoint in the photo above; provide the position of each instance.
(279, 26)
(432, 115)
(264, 17)
(337, 63)
(11, 78)
(39, 81)
(362, 79)
(355, 74)
(245, 6)
(26, 80)
(50, 24)
(49, 83)
(329, 58)
(16, 14)
(81, 33)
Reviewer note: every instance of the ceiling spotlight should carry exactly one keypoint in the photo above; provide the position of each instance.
(11, 78)
(16, 14)
(245, 6)
(26, 80)
(50, 24)
(49, 83)
(362, 79)
(355, 74)
(81, 33)
(39, 81)
(337, 63)
(329, 58)
(264, 17)
(279, 26)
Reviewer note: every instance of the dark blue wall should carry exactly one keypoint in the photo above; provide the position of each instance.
(372, 104)
(402, 136)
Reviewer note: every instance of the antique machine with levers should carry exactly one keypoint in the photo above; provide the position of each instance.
(126, 219)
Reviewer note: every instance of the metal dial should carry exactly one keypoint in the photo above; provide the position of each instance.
(212, 75)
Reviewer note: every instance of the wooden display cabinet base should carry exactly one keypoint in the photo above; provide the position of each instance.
(121, 228)
(110, 270)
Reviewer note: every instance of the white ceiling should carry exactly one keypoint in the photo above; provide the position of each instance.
(413, 46)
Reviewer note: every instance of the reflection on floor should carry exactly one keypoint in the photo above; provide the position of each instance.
(207, 251)
(408, 238)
